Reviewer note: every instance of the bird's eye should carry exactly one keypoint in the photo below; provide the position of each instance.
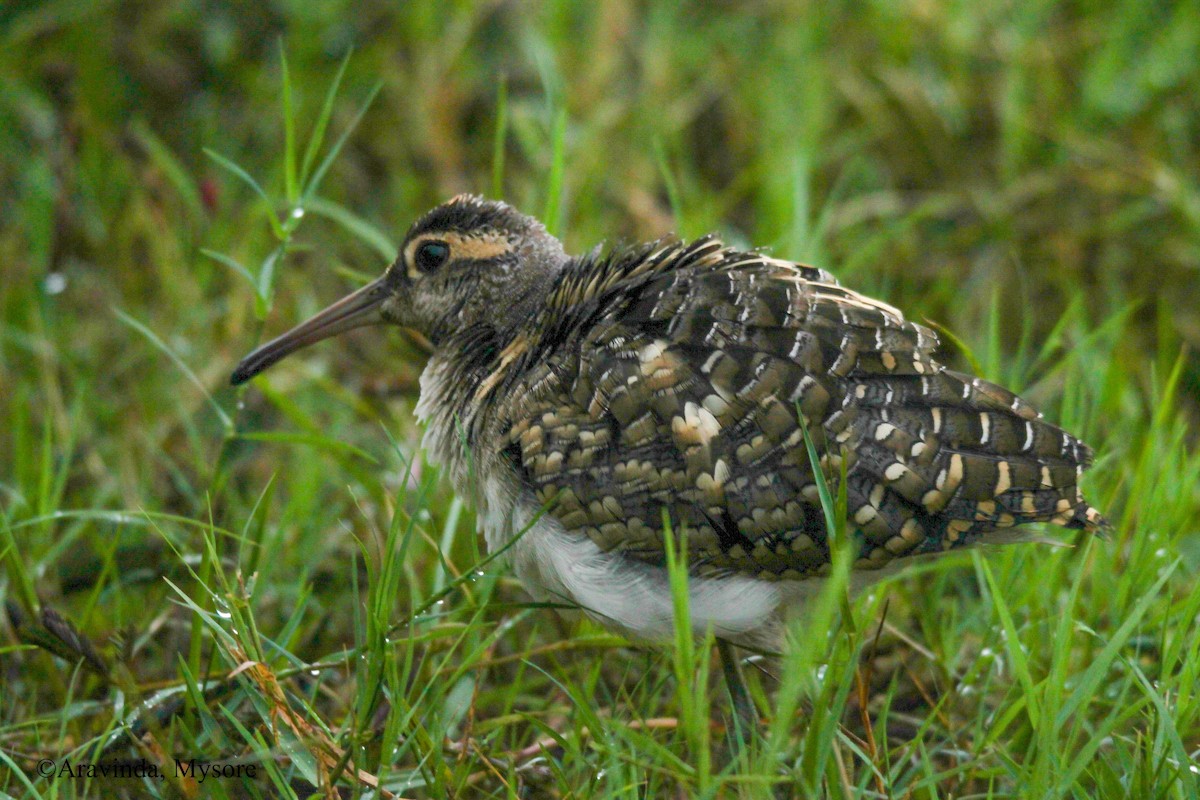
(432, 255)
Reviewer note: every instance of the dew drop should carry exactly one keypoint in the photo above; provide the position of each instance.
(55, 283)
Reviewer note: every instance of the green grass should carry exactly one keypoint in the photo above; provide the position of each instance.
(273, 576)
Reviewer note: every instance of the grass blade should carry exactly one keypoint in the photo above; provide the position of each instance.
(289, 129)
(498, 139)
(178, 175)
(364, 231)
(317, 137)
(1012, 641)
(311, 188)
(232, 263)
(246, 178)
(552, 216)
(152, 337)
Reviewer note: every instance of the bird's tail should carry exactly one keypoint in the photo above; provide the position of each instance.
(948, 458)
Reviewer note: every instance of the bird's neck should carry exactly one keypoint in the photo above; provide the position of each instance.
(457, 392)
(478, 364)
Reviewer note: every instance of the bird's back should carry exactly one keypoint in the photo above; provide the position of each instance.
(674, 376)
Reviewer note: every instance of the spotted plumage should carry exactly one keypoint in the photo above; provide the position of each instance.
(576, 399)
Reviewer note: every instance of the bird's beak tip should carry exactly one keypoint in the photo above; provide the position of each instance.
(354, 311)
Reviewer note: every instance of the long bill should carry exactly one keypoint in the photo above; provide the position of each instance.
(353, 311)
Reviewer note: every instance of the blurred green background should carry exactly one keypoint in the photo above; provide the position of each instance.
(931, 151)
(1025, 174)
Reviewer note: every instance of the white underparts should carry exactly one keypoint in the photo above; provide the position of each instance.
(635, 597)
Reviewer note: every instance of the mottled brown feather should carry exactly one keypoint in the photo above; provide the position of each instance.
(670, 376)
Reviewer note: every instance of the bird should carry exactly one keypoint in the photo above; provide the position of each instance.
(590, 406)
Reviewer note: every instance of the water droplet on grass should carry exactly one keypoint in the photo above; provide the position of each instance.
(55, 283)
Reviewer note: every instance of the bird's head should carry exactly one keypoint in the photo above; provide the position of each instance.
(467, 262)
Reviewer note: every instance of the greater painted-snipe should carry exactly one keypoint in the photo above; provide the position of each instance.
(677, 376)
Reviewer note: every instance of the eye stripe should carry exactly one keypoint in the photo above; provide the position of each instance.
(483, 246)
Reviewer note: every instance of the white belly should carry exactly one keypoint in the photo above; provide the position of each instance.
(622, 593)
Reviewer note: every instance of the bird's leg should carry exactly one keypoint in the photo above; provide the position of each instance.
(745, 713)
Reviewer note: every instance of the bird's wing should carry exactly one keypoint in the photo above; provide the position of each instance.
(674, 378)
